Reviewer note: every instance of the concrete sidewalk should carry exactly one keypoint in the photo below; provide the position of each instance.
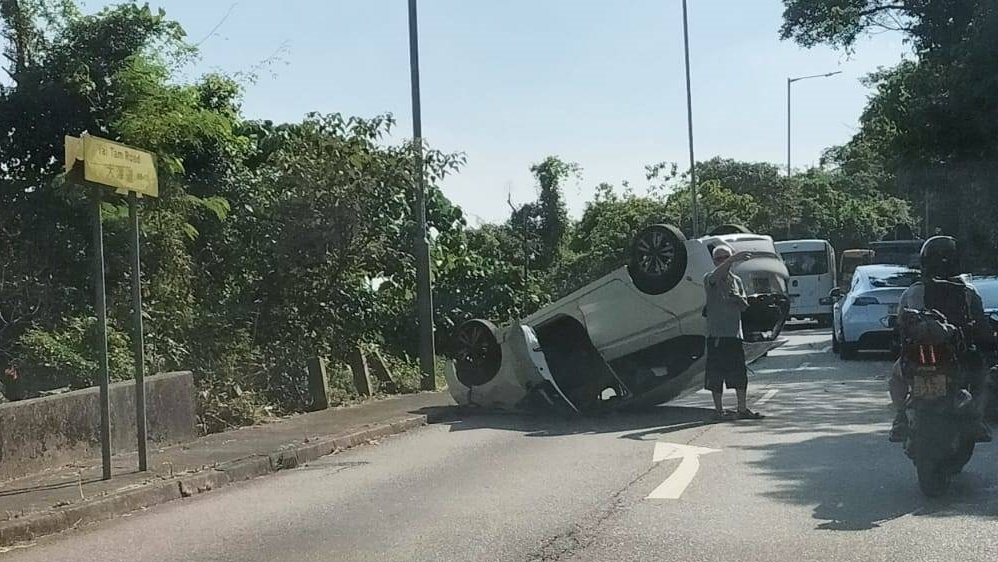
(61, 499)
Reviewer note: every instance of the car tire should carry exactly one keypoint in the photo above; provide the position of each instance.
(477, 352)
(848, 351)
(835, 343)
(824, 321)
(729, 229)
(657, 260)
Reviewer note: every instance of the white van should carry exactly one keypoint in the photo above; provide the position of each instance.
(811, 264)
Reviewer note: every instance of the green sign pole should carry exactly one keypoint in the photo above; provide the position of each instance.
(101, 306)
(137, 337)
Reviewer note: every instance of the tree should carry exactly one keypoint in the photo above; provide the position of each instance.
(69, 76)
(930, 122)
(549, 215)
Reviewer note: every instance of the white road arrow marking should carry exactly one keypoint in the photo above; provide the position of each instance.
(676, 483)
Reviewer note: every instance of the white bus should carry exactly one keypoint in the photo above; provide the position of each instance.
(811, 264)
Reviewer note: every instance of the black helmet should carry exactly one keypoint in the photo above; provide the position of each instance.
(939, 258)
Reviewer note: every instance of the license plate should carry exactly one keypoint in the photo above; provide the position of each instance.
(929, 385)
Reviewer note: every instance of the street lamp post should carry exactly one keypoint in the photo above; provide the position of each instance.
(789, 82)
(424, 295)
(689, 121)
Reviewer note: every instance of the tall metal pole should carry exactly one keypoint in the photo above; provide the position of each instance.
(689, 120)
(789, 81)
(424, 297)
(137, 336)
(101, 306)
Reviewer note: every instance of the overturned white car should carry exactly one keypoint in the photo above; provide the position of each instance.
(635, 337)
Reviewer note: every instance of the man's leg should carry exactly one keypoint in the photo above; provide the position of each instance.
(718, 405)
(713, 379)
(737, 378)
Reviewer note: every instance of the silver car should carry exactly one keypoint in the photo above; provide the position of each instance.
(634, 337)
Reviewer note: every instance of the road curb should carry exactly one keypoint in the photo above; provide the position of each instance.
(36, 525)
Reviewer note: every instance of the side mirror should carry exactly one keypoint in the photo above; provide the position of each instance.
(833, 295)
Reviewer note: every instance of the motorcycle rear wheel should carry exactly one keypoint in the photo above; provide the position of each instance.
(933, 478)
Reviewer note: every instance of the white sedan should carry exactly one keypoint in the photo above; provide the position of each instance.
(864, 317)
(634, 336)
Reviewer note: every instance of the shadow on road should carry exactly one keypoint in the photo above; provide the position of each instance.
(642, 423)
(857, 481)
(847, 469)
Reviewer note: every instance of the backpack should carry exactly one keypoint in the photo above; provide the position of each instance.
(934, 337)
(929, 342)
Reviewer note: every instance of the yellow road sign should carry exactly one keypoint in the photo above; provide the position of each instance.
(114, 164)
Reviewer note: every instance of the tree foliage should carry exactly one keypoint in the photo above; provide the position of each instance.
(274, 242)
(927, 133)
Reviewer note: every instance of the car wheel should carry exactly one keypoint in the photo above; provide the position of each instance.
(477, 352)
(729, 229)
(657, 259)
(848, 351)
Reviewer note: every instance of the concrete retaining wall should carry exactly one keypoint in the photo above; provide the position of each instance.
(58, 430)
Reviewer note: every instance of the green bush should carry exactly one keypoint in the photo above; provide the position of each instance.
(224, 405)
(341, 388)
(67, 355)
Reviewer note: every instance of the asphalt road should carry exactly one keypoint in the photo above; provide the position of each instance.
(815, 480)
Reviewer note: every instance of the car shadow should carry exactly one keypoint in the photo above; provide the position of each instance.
(638, 424)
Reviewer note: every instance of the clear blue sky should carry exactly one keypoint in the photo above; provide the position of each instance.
(599, 83)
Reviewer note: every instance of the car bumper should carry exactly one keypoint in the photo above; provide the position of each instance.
(868, 334)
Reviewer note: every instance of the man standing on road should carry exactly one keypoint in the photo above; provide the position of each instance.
(725, 355)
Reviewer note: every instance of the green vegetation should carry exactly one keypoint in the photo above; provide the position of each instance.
(274, 242)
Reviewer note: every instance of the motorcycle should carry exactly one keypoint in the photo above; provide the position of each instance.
(941, 412)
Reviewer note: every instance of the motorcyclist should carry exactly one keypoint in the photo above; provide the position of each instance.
(939, 260)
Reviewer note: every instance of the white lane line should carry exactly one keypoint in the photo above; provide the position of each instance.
(803, 366)
(825, 349)
(765, 397)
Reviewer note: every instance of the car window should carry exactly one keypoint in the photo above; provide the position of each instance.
(854, 284)
(899, 279)
(806, 263)
(989, 293)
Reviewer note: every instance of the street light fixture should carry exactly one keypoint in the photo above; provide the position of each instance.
(789, 82)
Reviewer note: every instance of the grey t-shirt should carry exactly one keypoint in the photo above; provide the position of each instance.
(724, 306)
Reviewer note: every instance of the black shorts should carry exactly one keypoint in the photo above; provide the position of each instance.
(725, 365)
